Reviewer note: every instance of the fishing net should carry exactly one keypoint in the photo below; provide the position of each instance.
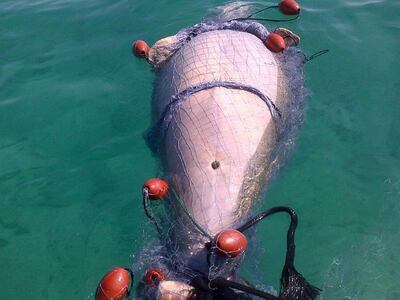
(226, 112)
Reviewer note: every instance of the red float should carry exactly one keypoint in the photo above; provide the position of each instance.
(289, 7)
(157, 188)
(231, 243)
(154, 276)
(275, 43)
(114, 285)
(140, 48)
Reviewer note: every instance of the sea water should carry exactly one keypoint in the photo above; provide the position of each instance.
(74, 104)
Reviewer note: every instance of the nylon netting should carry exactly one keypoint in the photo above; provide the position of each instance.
(226, 113)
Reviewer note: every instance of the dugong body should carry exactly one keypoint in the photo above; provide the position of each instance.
(218, 143)
(226, 111)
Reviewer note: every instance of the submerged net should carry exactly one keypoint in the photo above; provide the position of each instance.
(226, 112)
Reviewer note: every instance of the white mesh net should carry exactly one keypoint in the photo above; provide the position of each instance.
(226, 113)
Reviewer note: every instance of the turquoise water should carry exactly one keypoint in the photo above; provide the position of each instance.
(74, 104)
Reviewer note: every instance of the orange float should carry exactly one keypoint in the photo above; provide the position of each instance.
(275, 43)
(114, 285)
(140, 48)
(157, 188)
(154, 276)
(289, 7)
(231, 243)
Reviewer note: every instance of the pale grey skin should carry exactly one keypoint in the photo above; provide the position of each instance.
(230, 126)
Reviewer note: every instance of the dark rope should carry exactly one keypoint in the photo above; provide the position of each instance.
(250, 17)
(222, 282)
(290, 252)
(293, 285)
(222, 289)
(180, 97)
(290, 38)
(152, 218)
(189, 215)
(148, 212)
(315, 55)
(263, 9)
(131, 284)
(269, 20)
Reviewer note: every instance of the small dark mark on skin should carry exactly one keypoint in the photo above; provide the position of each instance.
(215, 164)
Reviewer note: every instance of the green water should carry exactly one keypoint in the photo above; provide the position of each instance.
(74, 104)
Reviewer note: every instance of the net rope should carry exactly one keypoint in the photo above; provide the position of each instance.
(219, 95)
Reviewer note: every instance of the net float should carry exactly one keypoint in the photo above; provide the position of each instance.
(140, 48)
(231, 243)
(225, 113)
(115, 285)
(154, 276)
(157, 188)
(289, 7)
(275, 43)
